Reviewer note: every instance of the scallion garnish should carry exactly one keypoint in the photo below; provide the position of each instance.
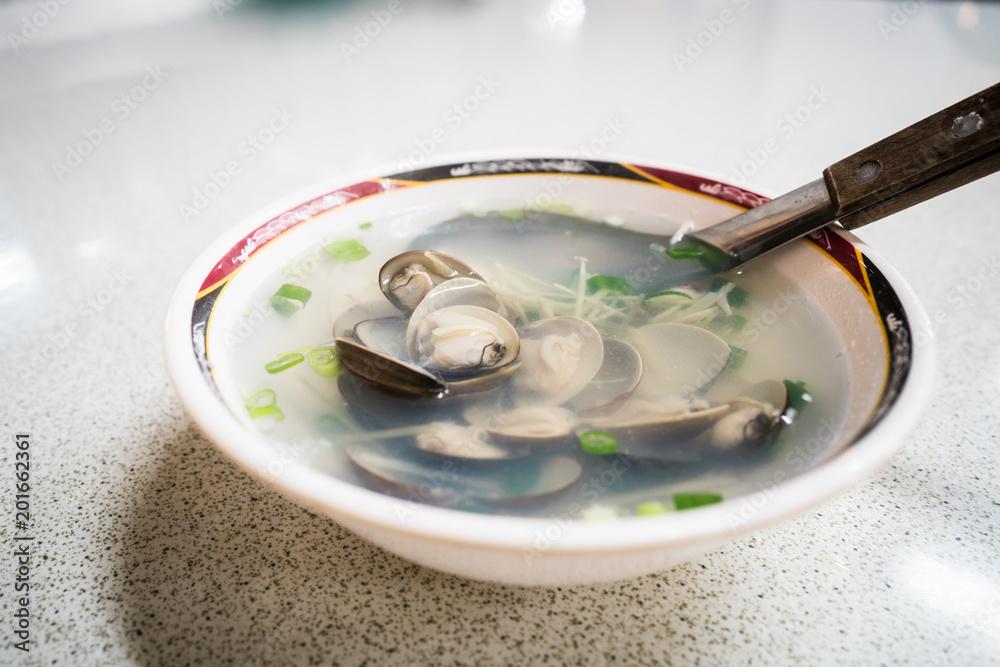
(365, 225)
(651, 508)
(323, 361)
(290, 298)
(598, 442)
(682, 252)
(686, 501)
(347, 251)
(512, 214)
(600, 282)
(798, 396)
(666, 292)
(711, 258)
(737, 297)
(283, 362)
(737, 322)
(264, 403)
(737, 355)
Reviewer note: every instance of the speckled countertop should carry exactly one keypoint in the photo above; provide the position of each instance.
(152, 549)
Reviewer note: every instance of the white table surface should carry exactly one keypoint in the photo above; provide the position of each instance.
(153, 549)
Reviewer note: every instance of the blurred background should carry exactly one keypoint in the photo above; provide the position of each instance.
(133, 132)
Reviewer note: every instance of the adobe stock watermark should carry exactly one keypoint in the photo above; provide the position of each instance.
(711, 30)
(120, 109)
(247, 150)
(34, 23)
(963, 293)
(585, 494)
(366, 33)
(566, 13)
(425, 146)
(788, 125)
(86, 311)
(899, 15)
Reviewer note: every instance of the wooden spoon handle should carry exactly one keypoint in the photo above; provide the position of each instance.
(951, 148)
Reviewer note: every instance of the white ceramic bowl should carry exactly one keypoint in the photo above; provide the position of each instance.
(887, 335)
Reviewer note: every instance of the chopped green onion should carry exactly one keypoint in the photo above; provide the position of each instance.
(264, 404)
(712, 258)
(737, 322)
(666, 292)
(284, 306)
(598, 442)
(651, 508)
(512, 214)
(737, 355)
(323, 361)
(290, 298)
(365, 225)
(686, 501)
(294, 292)
(283, 362)
(266, 411)
(261, 399)
(798, 396)
(600, 282)
(347, 251)
(737, 297)
(681, 252)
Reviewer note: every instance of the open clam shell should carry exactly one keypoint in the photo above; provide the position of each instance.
(560, 357)
(369, 310)
(454, 292)
(384, 335)
(752, 417)
(531, 426)
(619, 375)
(678, 359)
(668, 420)
(408, 277)
(389, 373)
(462, 341)
(462, 442)
(514, 482)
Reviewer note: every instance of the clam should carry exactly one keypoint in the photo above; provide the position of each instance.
(678, 359)
(454, 292)
(560, 356)
(384, 335)
(671, 418)
(754, 415)
(407, 278)
(462, 340)
(504, 484)
(531, 426)
(617, 377)
(457, 350)
(371, 310)
(463, 442)
(389, 373)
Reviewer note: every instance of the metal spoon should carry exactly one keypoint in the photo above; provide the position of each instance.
(951, 148)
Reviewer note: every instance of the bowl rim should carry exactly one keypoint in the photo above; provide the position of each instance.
(362, 508)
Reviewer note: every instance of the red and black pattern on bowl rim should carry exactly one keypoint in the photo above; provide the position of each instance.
(869, 279)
